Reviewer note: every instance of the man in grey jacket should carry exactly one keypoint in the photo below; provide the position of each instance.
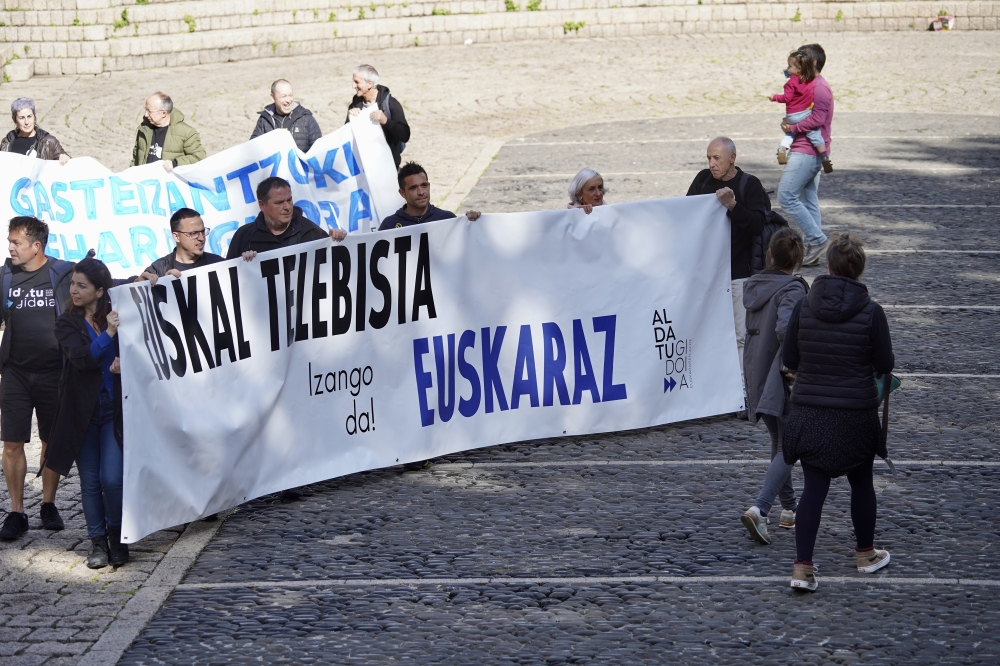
(286, 113)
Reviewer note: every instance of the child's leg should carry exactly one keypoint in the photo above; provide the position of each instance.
(816, 139)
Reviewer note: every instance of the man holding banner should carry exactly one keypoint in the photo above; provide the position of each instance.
(279, 224)
(164, 137)
(190, 233)
(746, 204)
(416, 190)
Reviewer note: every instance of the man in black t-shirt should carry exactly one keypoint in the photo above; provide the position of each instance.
(746, 208)
(31, 364)
(415, 188)
(190, 234)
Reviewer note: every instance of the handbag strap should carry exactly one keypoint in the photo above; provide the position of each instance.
(887, 379)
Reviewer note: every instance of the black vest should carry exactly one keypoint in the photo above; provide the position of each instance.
(835, 353)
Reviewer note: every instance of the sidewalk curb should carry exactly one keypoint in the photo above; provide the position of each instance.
(137, 613)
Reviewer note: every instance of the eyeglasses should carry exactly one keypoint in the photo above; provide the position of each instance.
(196, 234)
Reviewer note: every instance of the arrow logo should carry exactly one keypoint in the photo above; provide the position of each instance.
(668, 384)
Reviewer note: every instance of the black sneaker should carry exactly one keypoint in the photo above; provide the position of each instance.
(51, 520)
(14, 526)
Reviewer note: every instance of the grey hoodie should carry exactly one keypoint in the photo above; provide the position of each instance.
(769, 298)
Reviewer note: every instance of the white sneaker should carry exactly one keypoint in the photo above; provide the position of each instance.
(756, 524)
(804, 577)
(813, 255)
(787, 519)
(872, 560)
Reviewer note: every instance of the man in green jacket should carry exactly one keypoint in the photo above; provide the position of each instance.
(164, 137)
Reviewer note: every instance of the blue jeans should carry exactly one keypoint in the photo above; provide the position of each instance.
(778, 480)
(101, 467)
(799, 197)
(815, 136)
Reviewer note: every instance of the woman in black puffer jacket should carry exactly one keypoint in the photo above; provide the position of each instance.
(837, 338)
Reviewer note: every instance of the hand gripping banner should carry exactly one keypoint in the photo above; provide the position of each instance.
(324, 359)
(347, 180)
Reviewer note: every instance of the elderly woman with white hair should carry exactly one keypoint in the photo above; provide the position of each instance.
(586, 190)
(27, 138)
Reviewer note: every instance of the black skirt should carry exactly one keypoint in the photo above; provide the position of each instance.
(833, 440)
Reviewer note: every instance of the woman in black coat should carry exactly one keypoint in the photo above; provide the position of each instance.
(88, 427)
(837, 338)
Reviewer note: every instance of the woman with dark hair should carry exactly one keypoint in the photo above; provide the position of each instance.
(88, 427)
(837, 339)
(770, 298)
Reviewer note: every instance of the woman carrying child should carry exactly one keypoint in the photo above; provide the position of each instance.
(798, 101)
(770, 297)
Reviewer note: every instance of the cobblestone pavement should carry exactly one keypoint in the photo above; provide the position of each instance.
(461, 100)
(569, 508)
(627, 547)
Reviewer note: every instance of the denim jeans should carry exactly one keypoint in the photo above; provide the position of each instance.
(101, 467)
(815, 136)
(798, 194)
(778, 480)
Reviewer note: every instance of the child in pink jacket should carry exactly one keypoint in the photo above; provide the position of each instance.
(798, 101)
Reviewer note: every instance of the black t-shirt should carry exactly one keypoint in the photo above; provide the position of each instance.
(156, 145)
(748, 216)
(23, 144)
(32, 323)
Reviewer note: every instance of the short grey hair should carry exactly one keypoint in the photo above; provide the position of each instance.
(20, 104)
(726, 142)
(369, 72)
(579, 180)
(274, 86)
(166, 104)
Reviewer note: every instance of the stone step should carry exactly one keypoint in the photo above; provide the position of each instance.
(64, 52)
(184, 16)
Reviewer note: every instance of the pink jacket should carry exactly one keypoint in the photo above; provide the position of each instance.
(798, 95)
(821, 117)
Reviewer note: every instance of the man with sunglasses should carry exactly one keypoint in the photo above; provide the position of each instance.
(190, 234)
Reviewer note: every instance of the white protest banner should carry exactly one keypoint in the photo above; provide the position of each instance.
(324, 359)
(347, 180)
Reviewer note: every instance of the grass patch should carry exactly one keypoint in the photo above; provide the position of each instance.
(121, 22)
(573, 26)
